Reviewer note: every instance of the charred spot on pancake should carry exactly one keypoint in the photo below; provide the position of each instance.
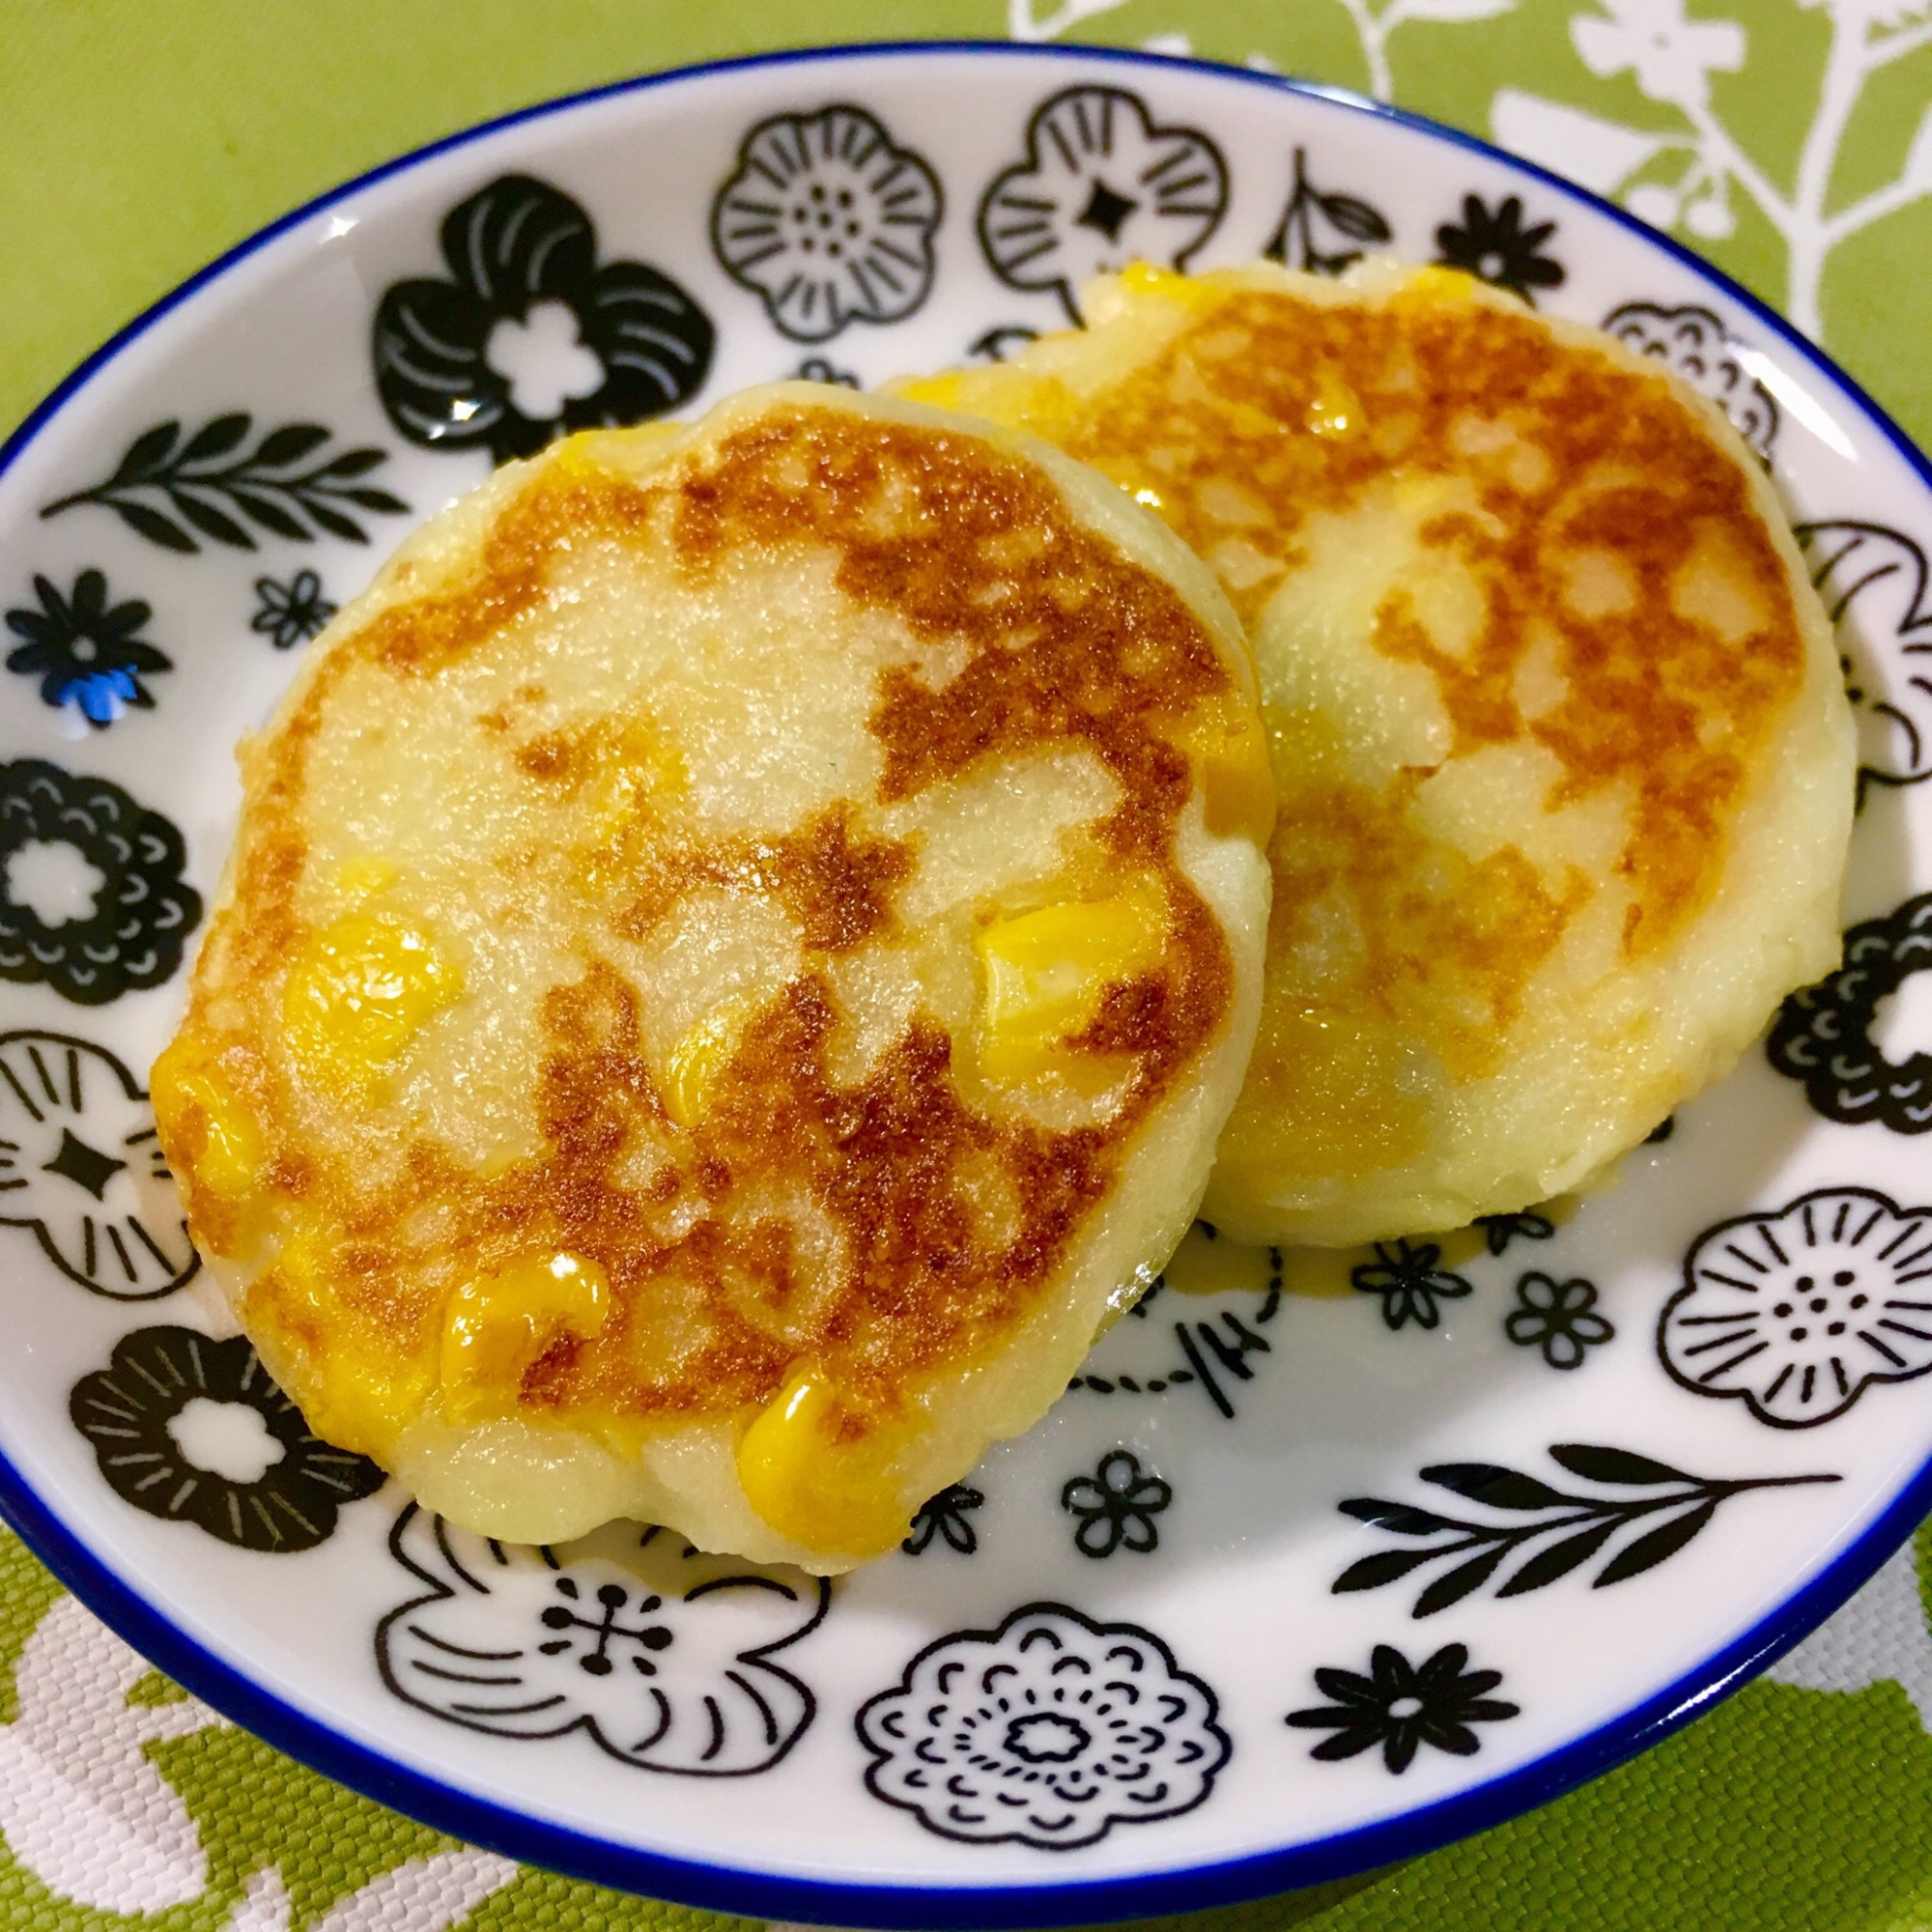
(835, 881)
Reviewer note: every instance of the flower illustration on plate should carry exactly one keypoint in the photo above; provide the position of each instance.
(1048, 1731)
(84, 649)
(821, 369)
(943, 1517)
(661, 1656)
(1798, 1311)
(828, 222)
(1823, 1033)
(1672, 58)
(1406, 1276)
(1116, 1506)
(1874, 581)
(1557, 1317)
(1402, 1706)
(80, 1165)
(193, 1431)
(531, 336)
(1500, 1229)
(1496, 247)
(1102, 184)
(1693, 341)
(292, 613)
(92, 898)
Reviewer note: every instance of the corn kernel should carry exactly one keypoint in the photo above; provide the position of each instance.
(363, 876)
(496, 1328)
(837, 1496)
(1336, 411)
(1145, 278)
(202, 1119)
(371, 1384)
(1046, 972)
(1230, 751)
(1437, 283)
(702, 1054)
(359, 993)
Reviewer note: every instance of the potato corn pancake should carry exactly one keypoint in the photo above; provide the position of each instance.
(738, 950)
(1564, 764)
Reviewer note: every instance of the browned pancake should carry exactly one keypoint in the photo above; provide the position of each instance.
(737, 947)
(1563, 765)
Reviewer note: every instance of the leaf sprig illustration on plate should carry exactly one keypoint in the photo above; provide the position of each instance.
(1313, 215)
(175, 490)
(1567, 1530)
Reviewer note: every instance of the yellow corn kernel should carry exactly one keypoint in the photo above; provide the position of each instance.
(837, 1496)
(1046, 972)
(596, 455)
(358, 1388)
(1336, 411)
(363, 876)
(1437, 283)
(1145, 278)
(637, 774)
(359, 993)
(702, 1054)
(203, 1122)
(497, 1327)
(1230, 751)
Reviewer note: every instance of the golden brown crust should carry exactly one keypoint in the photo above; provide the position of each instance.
(1587, 454)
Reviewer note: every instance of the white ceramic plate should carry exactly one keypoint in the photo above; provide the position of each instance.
(1285, 1587)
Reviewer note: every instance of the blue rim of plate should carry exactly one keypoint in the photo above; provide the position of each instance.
(726, 1889)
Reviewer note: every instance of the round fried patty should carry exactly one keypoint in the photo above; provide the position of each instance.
(1564, 764)
(738, 947)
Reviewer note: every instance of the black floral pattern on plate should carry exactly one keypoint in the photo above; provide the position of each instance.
(661, 1656)
(531, 336)
(1495, 246)
(163, 1398)
(1555, 1530)
(1823, 1033)
(1693, 341)
(290, 613)
(1500, 1229)
(1407, 1277)
(1403, 1706)
(142, 911)
(1048, 1731)
(1798, 1311)
(828, 221)
(1102, 184)
(81, 1167)
(1003, 341)
(1323, 231)
(942, 1518)
(819, 369)
(84, 649)
(1209, 1353)
(1557, 1317)
(1874, 583)
(174, 493)
(1116, 1506)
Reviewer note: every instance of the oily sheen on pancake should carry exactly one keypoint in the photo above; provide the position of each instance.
(1564, 764)
(738, 951)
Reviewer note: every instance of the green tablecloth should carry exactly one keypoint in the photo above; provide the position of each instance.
(1791, 140)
